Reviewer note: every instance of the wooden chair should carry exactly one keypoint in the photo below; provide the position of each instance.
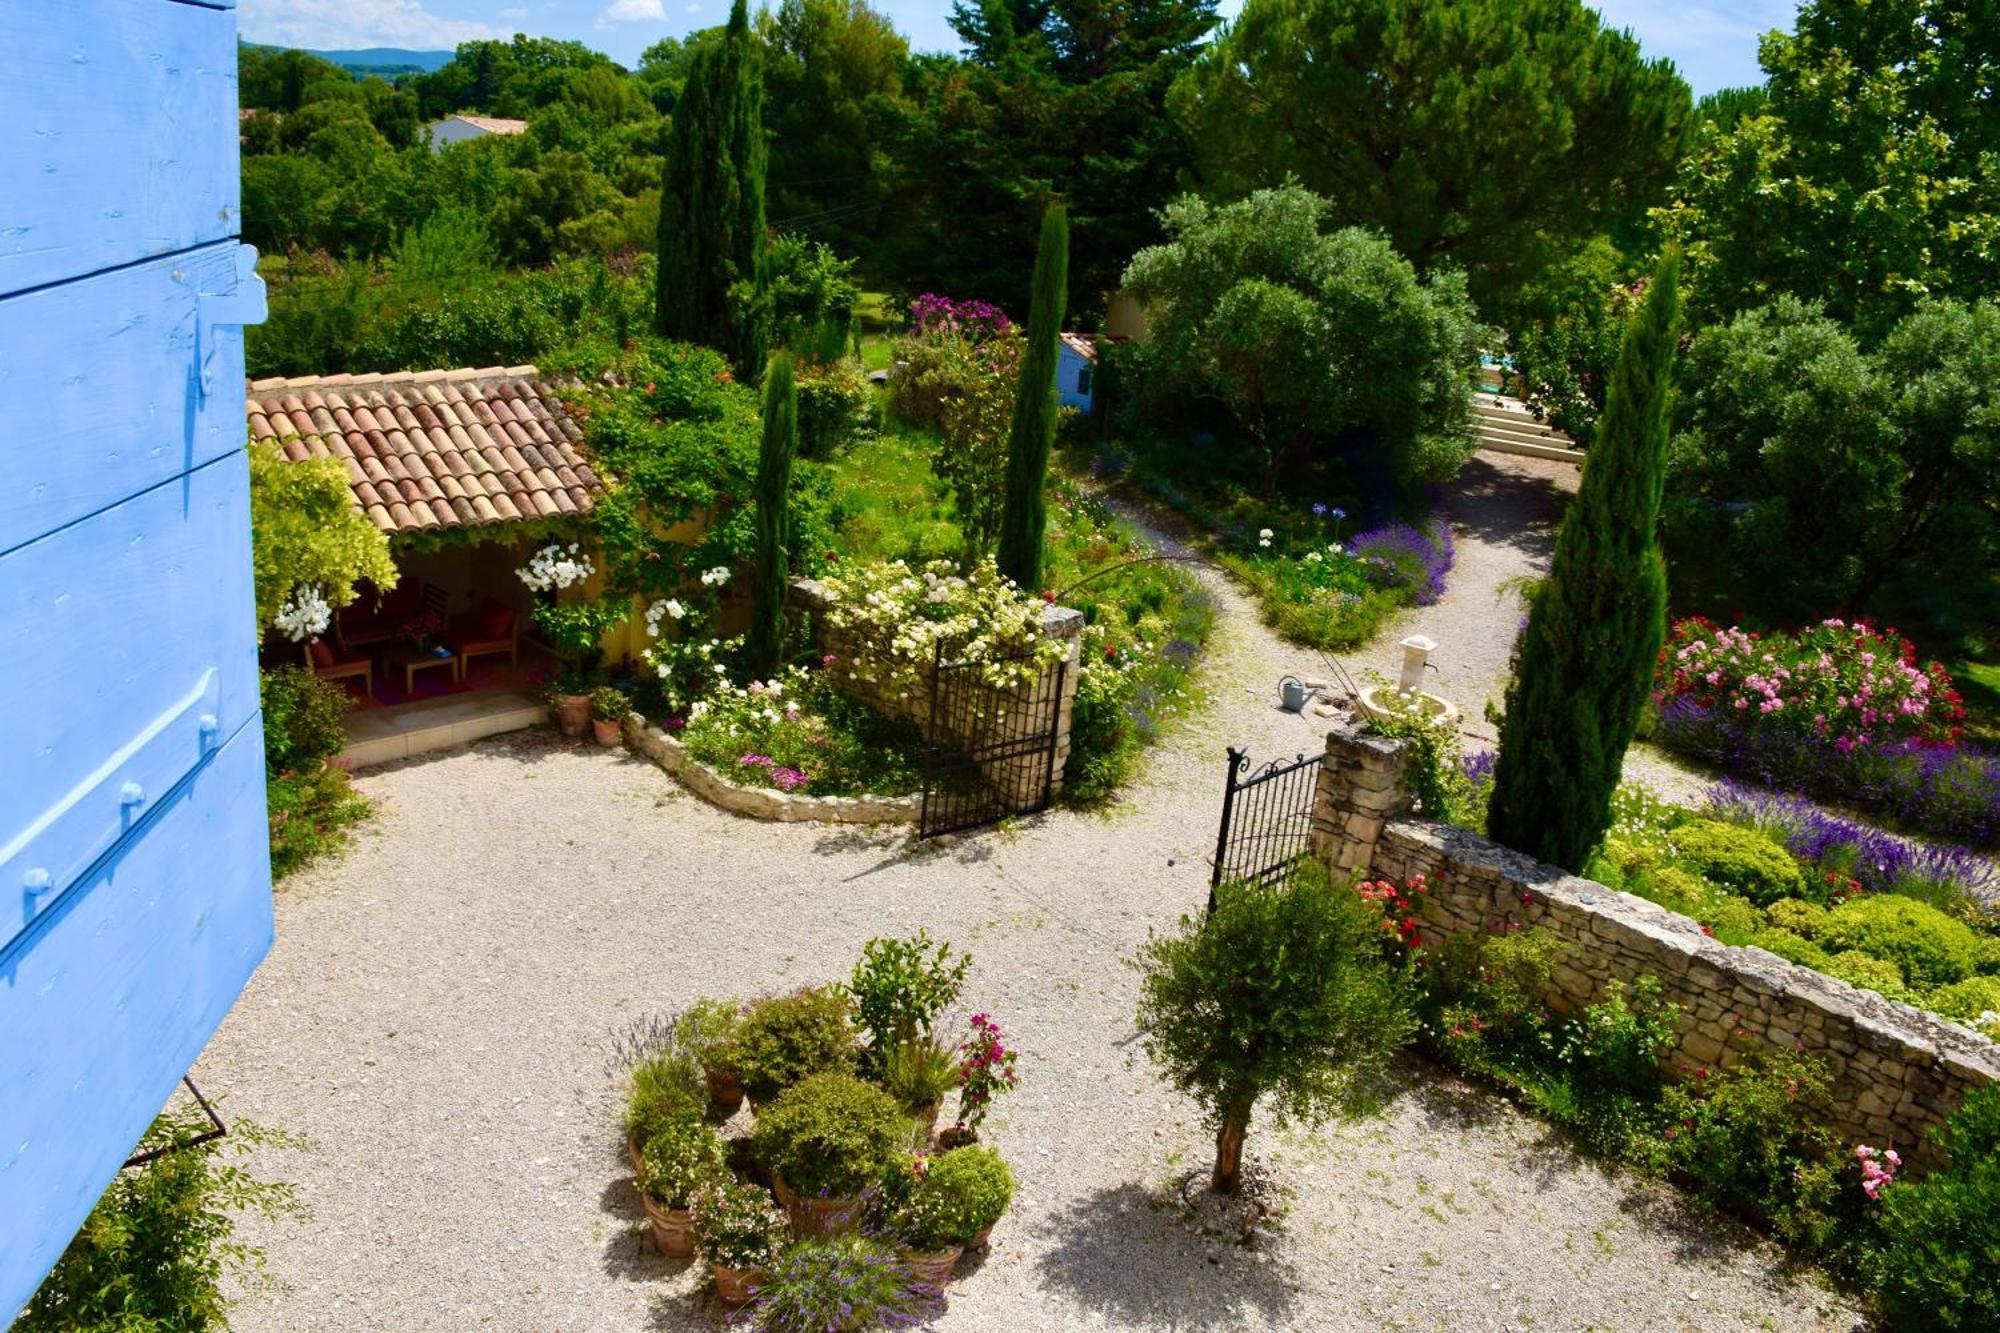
(491, 631)
(331, 663)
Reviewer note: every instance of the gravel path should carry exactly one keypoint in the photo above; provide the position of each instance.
(435, 1015)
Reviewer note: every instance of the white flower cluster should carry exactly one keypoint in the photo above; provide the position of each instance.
(688, 669)
(1264, 536)
(899, 617)
(556, 566)
(305, 614)
(716, 577)
(659, 611)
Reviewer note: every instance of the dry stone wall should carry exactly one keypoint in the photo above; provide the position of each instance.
(1897, 1071)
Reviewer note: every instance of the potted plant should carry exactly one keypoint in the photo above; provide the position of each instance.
(679, 1158)
(900, 987)
(608, 710)
(785, 1038)
(711, 1029)
(740, 1232)
(575, 629)
(918, 1073)
(663, 1082)
(985, 1070)
(927, 1222)
(841, 1284)
(827, 1142)
(973, 1186)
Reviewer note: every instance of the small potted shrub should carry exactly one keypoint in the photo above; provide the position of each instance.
(841, 1284)
(608, 710)
(675, 1162)
(827, 1142)
(710, 1028)
(985, 1070)
(927, 1223)
(663, 1082)
(740, 1232)
(972, 1186)
(785, 1038)
(918, 1073)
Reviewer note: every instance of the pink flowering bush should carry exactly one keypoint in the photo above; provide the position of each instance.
(797, 733)
(1844, 683)
(1878, 1169)
(985, 1070)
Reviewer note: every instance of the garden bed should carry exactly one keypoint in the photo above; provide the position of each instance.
(763, 802)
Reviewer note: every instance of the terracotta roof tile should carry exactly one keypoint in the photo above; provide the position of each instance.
(440, 448)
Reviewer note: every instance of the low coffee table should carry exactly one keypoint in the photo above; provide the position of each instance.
(413, 659)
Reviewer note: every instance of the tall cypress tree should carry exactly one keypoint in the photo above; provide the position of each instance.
(1596, 623)
(774, 484)
(711, 274)
(1033, 433)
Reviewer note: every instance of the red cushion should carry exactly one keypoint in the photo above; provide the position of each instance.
(496, 622)
(322, 653)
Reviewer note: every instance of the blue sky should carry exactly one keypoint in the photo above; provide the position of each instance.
(1713, 41)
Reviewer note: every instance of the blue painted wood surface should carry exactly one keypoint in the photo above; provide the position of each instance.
(119, 137)
(134, 873)
(1075, 378)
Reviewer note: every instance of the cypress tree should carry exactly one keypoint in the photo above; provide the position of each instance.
(774, 484)
(1596, 623)
(1032, 434)
(711, 277)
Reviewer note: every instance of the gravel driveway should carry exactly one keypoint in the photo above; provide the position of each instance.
(435, 1017)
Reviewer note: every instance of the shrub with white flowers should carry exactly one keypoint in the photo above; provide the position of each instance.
(898, 616)
(305, 614)
(556, 566)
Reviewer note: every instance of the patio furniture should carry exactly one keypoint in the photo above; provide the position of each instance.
(491, 631)
(413, 659)
(329, 662)
(368, 621)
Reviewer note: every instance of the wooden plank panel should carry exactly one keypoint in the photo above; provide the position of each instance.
(118, 382)
(109, 628)
(117, 135)
(110, 998)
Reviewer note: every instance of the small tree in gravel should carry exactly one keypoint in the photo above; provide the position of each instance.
(1281, 990)
(1596, 623)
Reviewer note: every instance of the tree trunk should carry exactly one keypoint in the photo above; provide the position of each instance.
(1228, 1157)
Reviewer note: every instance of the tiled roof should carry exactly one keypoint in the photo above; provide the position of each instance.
(1082, 344)
(436, 449)
(493, 124)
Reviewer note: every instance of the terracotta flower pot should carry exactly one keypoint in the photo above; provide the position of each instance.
(735, 1286)
(813, 1215)
(926, 1117)
(633, 1155)
(935, 1268)
(983, 1238)
(725, 1089)
(607, 733)
(673, 1228)
(573, 714)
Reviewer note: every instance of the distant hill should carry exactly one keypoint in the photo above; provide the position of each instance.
(386, 61)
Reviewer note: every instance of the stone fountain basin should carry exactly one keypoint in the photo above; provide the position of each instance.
(1385, 701)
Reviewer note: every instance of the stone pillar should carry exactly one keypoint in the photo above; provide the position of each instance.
(1360, 790)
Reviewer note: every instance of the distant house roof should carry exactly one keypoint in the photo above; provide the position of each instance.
(1082, 344)
(436, 449)
(492, 124)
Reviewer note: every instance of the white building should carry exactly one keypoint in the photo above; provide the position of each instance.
(457, 129)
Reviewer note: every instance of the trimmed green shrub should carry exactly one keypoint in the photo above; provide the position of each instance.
(1673, 888)
(1792, 948)
(1876, 974)
(977, 1181)
(302, 715)
(1745, 859)
(1732, 919)
(680, 1157)
(1928, 947)
(786, 1038)
(1797, 915)
(836, 408)
(1964, 1001)
(831, 1135)
(1937, 1269)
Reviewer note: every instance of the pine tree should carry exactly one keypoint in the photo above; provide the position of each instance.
(1033, 434)
(774, 484)
(711, 276)
(1596, 623)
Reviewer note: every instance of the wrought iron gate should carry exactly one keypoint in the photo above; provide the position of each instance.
(990, 750)
(1266, 818)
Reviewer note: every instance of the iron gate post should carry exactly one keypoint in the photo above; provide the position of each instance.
(1236, 758)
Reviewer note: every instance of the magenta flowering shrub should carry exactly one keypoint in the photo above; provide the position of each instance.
(1845, 683)
(985, 1070)
(932, 315)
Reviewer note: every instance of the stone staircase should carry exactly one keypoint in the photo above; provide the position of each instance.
(1506, 426)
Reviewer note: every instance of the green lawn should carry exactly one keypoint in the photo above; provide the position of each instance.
(1979, 682)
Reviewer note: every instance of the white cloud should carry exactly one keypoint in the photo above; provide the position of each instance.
(514, 13)
(633, 11)
(340, 24)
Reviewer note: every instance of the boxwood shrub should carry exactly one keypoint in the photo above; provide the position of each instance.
(831, 1135)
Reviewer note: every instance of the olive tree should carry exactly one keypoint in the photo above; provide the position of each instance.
(1280, 992)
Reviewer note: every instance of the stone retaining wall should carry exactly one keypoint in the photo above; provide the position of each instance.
(763, 802)
(1897, 1071)
(1021, 715)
